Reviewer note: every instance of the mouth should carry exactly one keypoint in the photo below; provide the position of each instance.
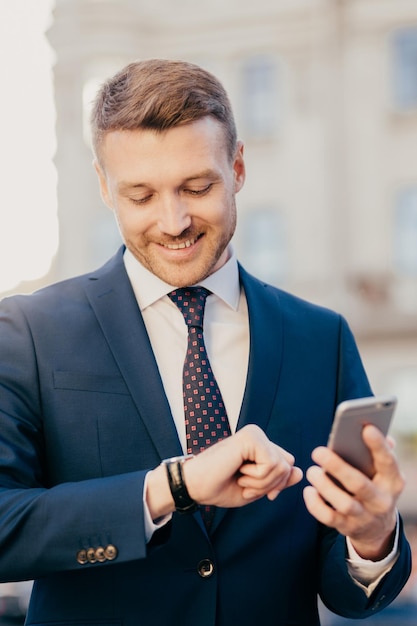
(183, 244)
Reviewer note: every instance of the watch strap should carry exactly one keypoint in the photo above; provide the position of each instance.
(182, 499)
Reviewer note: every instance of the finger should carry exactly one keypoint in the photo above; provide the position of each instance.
(324, 513)
(365, 497)
(257, 448)
(349, 478)
(295, 477)
(263, 469)
(274, 479)
(318, 508)
(388, 477)
(374, 439)
(385, 462)
(378, 494)
(266, 458)
(332, 494)
(272, 486)
(290, 458)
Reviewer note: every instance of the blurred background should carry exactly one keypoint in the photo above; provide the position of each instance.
(325, 97)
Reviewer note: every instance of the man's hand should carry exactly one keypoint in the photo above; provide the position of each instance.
(366, 512)
(240, 469)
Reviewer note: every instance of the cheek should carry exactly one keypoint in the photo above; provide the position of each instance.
(229, 211)
(223, 210)
(130, 220)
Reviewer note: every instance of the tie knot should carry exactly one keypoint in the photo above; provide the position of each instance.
(191, 302)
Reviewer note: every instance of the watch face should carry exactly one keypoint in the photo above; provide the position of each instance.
(173, 459)
(179, 459)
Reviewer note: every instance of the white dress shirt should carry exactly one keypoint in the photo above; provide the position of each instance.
(226, 335)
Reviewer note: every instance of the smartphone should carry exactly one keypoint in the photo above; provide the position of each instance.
(350, 418)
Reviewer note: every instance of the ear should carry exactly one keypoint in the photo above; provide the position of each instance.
(239, 167)
(104, 189)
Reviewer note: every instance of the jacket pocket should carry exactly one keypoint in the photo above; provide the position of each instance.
(85, 381)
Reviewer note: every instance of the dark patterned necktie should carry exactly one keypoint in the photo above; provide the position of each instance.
(206, 420)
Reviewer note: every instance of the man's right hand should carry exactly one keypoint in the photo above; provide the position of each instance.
(236, 471)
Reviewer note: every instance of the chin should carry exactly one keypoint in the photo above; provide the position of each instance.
(182, 278)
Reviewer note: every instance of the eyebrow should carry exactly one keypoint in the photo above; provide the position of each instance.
(125, 186)
(208, 173)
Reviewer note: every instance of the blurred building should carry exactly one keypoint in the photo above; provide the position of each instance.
(325, 95)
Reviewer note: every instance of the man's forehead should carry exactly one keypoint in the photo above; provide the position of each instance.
(207, 126)
(188, 152)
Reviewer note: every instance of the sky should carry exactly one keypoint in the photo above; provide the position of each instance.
(28, 207)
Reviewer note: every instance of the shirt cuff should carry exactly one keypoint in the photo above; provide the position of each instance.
(150, 525)
(367, 574)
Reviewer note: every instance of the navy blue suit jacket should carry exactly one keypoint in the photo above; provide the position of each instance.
(83, 416)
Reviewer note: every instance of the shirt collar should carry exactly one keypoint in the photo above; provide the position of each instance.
(148, 288)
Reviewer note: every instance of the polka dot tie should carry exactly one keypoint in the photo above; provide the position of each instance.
(205, 415)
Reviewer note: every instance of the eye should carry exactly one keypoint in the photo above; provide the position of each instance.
(139, 201)
(199, 192)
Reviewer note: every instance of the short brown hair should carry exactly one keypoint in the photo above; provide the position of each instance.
(159, 94)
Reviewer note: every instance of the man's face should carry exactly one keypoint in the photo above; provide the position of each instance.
(173, 194)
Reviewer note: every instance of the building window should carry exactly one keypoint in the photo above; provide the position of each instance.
(264, 250)
(260, 98)
(405, 232)
(405, 68)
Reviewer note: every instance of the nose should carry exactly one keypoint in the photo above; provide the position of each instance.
(173, 216)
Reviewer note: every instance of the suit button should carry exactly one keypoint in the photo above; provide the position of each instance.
(205, 568)
(100, 556)
(91, 555)
(110, 552)
(82, 557)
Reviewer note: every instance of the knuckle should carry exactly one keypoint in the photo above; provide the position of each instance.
(400, 484)
(362, 486)
(381, 507)
(398, 491)
(349, 507)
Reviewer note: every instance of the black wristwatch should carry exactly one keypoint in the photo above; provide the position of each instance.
(182, 500)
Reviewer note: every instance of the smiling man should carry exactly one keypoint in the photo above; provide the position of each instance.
(158, 415)
(173, 194)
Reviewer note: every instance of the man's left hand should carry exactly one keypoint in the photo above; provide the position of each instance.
(366, 511)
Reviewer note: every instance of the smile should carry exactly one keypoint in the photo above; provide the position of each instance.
(180, 246)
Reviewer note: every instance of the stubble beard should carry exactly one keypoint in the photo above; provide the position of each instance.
(186, 273)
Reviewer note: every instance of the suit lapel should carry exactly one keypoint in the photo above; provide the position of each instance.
(114, 304)
(265, 357)
(265, 354)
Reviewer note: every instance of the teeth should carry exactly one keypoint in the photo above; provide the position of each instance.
(180, 246)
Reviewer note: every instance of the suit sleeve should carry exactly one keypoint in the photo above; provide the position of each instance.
(337, 589)
(44, 526)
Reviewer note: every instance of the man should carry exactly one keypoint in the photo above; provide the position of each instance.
(91, 375)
